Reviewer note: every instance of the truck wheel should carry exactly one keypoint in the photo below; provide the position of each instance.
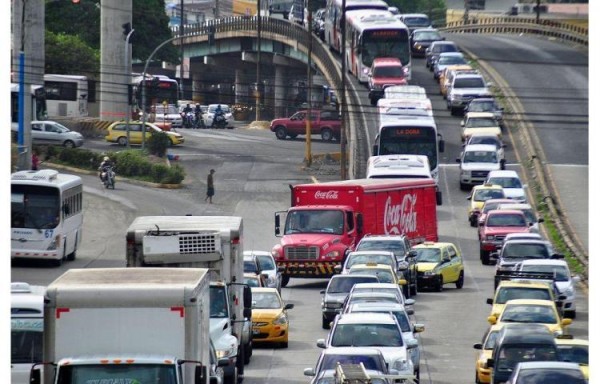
(285, 279)
(239, 362)
(248, 352)
(485, 257)
(326, 134)
(73, 255)
(406, 291)
(373, 101)
(280, 133)
(232, 378)
(414, 289)
(463, 186)
(472, 221)
(324, 323)
(284, 344)
(461, 280)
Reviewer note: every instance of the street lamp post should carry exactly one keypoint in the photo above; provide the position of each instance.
(129, 32)
(258, 43)
(344, 123)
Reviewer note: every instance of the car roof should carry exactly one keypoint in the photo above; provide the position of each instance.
(444, 42)
(452, 54)
(370, 252)
(382, 237)
(525, 241)
(264, 290)
(528, 235)
(565, 341)
(352, 351)
(503, 173)
(515, 206)
(371, 266)
(467, 74)
(547, 364)
(505, 212)
(480, 147)
(480, 115)
(366, 318)
(376, 285)
(379, 307)
(529, 302)
(426, 30)
(557, 262)
(257, 253)
(431, 244)
(524, 283)
(524, 333)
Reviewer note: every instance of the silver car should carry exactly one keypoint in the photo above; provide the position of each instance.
(53, 133)
(268, 268)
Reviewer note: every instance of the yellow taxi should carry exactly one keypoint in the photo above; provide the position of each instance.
(479, 195)
(117, 133)
(531, 311)
(480, 122)
(383, 272)
(519, 289)
(576, 351)
(439, 264)
(270, 323)
(444, 79)
(485, 348)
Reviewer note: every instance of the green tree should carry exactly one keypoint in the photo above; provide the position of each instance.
(68, 54)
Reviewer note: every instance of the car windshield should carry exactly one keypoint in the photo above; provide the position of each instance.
(561, 273)
(480, 157)
(482, 106)
(574, 353)
(343, 284)
(528, 313)
(503, 220)
(416, 21)
(250, 266)
(492, 140)
(366, 335)
(550, 376)
(490, 342)
(266, 262)
(266, 300)
(427, 36)
(385, 290)
(383, 275)
(472, 82)
(510, 355)
(439, 48)
(512, 293)
(370, 362)
(376, 245)
(476, 122)
(451, 60)
(364, 259)
(487, 194)
(251, 281)
(506, 182)
(388, 71)
(374, 297)
(428, 255)
(525, 251)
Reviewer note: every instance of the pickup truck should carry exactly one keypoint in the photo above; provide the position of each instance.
(327, 123)
(497, 224)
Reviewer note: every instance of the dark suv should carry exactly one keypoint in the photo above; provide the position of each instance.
(332, 299)
(400, 245)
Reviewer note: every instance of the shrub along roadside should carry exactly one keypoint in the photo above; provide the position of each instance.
(132, 163)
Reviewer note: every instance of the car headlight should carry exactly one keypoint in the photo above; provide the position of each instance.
(490, 237)
(224, 353)
(569, 291)
(333, 254)
(401, 365)
(280, 320)
(430, 273)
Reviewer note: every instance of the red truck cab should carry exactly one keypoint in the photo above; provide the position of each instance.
(325, 122)
(327, 220)
(498, 224)
(385, 71)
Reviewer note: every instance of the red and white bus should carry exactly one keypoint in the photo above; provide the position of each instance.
(333, 15)
(375, 33)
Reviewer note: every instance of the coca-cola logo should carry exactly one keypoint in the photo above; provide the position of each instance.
(326, 195)
(400, 218)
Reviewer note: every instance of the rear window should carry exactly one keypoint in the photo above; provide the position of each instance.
(388, 71)
(375, 245)
(506, 221)
(513, 293)
(473, 82)
(367, 335)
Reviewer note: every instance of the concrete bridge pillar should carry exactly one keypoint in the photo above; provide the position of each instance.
(280, 91)
(197, 87)
(242, 83)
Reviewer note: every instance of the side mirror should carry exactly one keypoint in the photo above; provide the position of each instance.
(281, 269)
(502, 164)
(337, 268)
(441, 144)
(359, 223)
(309, 372)
(411, 254)
(490, 363)
(490, 301)
(288, 306)
(223, 362)
(321, 343)
(462, 123)
(541, 220)
(409, 302)
(402, 282)
(492, 319)
(277, 224)
(410, 311)
(458, 160)
(413, 343)
(418, 328)
(322, 292)
(478, 346)
(558, 256)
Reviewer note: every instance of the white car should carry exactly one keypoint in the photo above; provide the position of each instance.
(52, 133)
(486, 138)
(409, 329)
(364, 257)
(564, 281)
(511, 183)
(168, 114)
(384, 288)
(268, 267)
(376, 330)
(210, 114)
(476, 162)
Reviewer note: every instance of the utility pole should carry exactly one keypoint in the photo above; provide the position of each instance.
(127, 31)
(308, 154)
(181, 97)
(258, 44)
(343, 125)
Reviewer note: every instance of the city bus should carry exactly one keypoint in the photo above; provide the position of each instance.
(375, 33)
(66, 95)
(38, 104)
(46, 215)
(410, 135)
(333, 15)
(159, 88)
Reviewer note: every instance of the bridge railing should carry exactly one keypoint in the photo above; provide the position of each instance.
(516, 25)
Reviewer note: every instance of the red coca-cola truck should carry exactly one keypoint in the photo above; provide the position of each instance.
(327, 220)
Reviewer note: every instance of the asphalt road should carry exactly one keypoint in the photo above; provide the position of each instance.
(253, 173)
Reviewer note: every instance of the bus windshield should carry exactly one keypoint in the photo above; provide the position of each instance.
(118, 373)
(409, 140)
(385, 43)
(34, 207)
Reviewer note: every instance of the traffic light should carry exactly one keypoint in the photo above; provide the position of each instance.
(126, 29)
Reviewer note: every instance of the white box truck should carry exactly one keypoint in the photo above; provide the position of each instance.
(126, 325)
(213, 242)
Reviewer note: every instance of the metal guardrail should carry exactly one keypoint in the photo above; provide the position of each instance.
(516, 25)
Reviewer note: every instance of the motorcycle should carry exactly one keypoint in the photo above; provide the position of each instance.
(188, 119)
(219, 121)
(108, 177)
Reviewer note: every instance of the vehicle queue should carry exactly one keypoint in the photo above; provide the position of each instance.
(403, 363)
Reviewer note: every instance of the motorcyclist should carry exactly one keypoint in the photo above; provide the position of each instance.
(198, 116)
(105, 165)
(218, 112)
(186, 115)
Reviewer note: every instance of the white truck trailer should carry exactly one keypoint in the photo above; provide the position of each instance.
(127, 325)
(213, 242)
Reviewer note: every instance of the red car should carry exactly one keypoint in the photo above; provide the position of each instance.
(498, 224)
(385, 71)
(326, 123)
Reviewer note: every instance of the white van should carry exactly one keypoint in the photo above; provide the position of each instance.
(27, 327)
(398, 167)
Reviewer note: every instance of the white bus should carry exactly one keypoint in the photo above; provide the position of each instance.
(38, 104)
(67, 95)
(333, 15)
(26, 329)
(371, 34)
(398, 167)
(46, 215)
(401, 134)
